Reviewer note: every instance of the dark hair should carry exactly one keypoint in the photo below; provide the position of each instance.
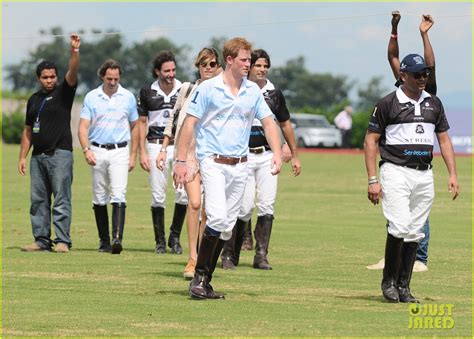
(109, 63)
(257, 54)
(45, 65)
(160, 59)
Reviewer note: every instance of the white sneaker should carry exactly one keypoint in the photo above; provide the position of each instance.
(378, 266)
(419, 267)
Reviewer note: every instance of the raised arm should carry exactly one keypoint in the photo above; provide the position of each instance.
(392, 52)
(71, 74)
(425, 25)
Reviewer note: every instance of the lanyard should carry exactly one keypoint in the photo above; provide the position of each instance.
(41, 108)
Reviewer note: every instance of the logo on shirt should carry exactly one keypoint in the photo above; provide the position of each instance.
(419, 129)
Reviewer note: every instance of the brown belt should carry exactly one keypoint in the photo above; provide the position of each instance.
(258, 150)
(220, 159)
(159, 142)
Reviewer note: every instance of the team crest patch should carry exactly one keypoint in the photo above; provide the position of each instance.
(419, 129)
(418, 60)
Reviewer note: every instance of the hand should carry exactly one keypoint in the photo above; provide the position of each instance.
(426, 23)
(296, 166)
(75, 41)
(145, 161)
(131, 164)
(161, 161)
(285, 153)
(453, 187)
(22, 167)
(374, 192)
(179, 174)
(90, 157)
(276, 165)
(396, 18)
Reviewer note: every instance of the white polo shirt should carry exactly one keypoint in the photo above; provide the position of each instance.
(109, 117)
(225, 120)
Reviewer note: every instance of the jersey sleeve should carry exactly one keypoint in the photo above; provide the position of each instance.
(379, 118)
(441, 124)
(281, 110)
(142, 107)
(133, 108)
(86, 110)
(199, 100)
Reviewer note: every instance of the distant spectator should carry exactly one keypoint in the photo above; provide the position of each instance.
(343, 121)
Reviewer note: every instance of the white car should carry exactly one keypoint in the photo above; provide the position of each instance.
(313, 130)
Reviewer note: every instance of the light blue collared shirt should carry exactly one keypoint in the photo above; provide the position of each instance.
(225, 120)
(109, 117)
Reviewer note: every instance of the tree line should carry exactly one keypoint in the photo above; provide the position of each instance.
(304, 90)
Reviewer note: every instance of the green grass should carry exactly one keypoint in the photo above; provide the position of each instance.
(325, 233)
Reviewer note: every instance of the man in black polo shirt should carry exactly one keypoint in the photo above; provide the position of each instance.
(156, 102)
(47, 128)
(403, 126)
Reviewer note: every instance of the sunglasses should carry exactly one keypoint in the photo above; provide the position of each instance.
(212, 64)
(419, 75)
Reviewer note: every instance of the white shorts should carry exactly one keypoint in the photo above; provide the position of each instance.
(407, 197)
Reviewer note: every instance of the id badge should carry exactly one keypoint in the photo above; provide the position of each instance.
(36, 127)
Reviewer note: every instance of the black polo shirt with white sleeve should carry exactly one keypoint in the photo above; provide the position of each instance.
(408, 128)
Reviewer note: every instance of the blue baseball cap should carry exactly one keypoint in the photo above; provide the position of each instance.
(413, 63)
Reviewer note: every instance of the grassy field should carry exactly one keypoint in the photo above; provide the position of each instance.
(325, 233)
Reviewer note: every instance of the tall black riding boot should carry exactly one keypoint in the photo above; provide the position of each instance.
(198, 288)
(263, 230)
(158, 217)
(406, 268)
(393, 249)
(175, 228)
(102, 222)
(118, 223)
(211, 293)
(232, 247)
(247, 245)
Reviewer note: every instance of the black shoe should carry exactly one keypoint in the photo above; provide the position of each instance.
(390, 291)
(198, 287)
(227, 263)
(116, 246)
(406, 297)
(105, 247)
(160, 248)
(176, 248)
(211, 294)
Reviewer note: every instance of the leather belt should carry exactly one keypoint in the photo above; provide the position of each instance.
(220, 159)
(258, 150)
(420, 167)
(110, 146)
(159, 142)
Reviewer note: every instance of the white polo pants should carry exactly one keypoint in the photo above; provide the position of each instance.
(224, 187)
(407, 197)
(159, 179)
(109, 175)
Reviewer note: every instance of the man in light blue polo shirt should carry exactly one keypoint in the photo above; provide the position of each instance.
(108, 121)
(222, 111)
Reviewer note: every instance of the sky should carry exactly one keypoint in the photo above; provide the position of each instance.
(339, 38)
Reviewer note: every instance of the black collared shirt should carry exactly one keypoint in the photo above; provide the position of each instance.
(407, 132)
